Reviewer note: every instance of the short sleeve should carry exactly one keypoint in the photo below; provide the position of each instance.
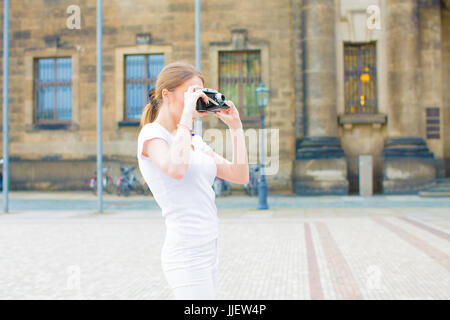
(204, 147)
(149, 131)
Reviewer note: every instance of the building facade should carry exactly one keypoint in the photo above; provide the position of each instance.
(347, 78)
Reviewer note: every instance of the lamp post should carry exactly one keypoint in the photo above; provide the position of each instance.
(262, 98)
(99, 105)
(5, 88)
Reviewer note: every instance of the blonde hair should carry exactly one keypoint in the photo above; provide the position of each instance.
(171, 76)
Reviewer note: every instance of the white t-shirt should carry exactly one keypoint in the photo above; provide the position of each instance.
(188, 204)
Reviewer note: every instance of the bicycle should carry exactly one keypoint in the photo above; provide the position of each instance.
(127, 182)
(221, 187)
(251, 188)
(108, 185)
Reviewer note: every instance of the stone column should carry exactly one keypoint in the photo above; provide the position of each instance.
(431, 74)
(445, 49)
(320, 161)
(408, 164)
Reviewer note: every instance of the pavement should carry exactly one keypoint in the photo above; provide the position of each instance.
(55, 246)
(44, 201)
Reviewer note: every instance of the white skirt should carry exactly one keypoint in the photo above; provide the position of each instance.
(191, 272)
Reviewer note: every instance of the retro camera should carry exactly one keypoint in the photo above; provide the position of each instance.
(216, 101)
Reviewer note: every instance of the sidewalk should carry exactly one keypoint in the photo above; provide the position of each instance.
(281, 254)
(325, 248)
(30, 201)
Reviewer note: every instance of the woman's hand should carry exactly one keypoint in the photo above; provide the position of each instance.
(230, 116)
(192, 94)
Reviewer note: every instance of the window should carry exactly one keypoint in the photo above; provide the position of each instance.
(141, 72)
(239, 76)
(433, 123)
(53, 90)
(360, 78)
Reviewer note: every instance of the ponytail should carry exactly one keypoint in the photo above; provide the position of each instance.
(149, 113)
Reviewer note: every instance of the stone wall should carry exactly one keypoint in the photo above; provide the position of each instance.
(36, 24)
(300, 65)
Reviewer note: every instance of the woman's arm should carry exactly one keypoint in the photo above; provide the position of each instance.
(237, 170)
(173, 160)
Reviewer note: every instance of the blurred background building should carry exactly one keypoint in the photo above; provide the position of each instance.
(348, 78)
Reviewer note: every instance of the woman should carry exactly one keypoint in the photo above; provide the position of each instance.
(180, 168)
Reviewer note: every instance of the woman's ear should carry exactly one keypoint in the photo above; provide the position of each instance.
(165, 94)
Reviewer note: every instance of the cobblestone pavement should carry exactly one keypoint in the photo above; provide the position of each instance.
(298, 253)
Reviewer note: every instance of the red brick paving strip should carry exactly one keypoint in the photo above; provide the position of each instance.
(315, 288)
(343, 282)
(436, 232)
(436, 254)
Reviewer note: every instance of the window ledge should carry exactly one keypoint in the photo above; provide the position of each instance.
(128, 123)
(376, 120)
(52, 126)
(362, 118)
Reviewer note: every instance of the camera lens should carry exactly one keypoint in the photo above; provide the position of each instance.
(220, 98)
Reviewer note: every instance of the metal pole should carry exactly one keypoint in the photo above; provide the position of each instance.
(99, 105)
(5, 104)
(198, 54)
(262, 186)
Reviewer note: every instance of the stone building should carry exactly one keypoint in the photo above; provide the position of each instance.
(347, 78)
